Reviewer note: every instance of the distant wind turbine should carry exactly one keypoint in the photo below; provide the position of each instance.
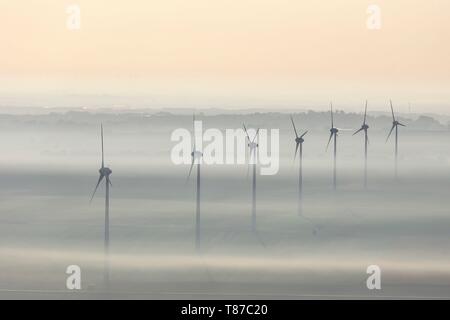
(395, 125)
(196, 156)
(364, 128)
(299, 147)
(253, 146)
(333, 134)
(105, 172)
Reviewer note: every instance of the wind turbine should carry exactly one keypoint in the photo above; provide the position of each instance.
(253, 147)
(333, 133)
(105, 172)
(364, 128)
(196, 157)
(395, 125)
(299, 147)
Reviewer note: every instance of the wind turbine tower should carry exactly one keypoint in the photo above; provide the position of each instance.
(253, 146)
(333, 134)
(299, 148)
(105, 172)
(395, 125)
(364, 127)
(196, 159)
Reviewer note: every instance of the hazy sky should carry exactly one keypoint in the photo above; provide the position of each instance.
(229, 52)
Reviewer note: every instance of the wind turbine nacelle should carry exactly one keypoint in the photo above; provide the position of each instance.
(334, 130)
(253, 145)
(105, 171)
(299, 140)
(196, 154)
(365, 127)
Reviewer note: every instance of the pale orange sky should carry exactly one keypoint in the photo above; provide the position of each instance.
(271, 49)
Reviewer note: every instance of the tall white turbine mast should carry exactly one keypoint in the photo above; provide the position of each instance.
(395, 125)
(196, 156)
(333, 134)
(105, 172)
(299, 148)
(253, 147)
(364, 127)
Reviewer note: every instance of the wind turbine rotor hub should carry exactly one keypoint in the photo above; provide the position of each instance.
(334, 130)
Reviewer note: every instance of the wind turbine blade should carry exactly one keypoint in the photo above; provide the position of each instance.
(390, 132)
(190, 169)
(96, 187)
(392, 110)
(296, 149)
(401, 124)
(256, 135)
(303, 134)
(295, 129)
(344, 129)
(331, 110)
(365, 113)
(256, 154)
(358, 131)
(251, 157)
(103, 157)
(329, 140)
(193, 132)
(110, 183)
(246, 133)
